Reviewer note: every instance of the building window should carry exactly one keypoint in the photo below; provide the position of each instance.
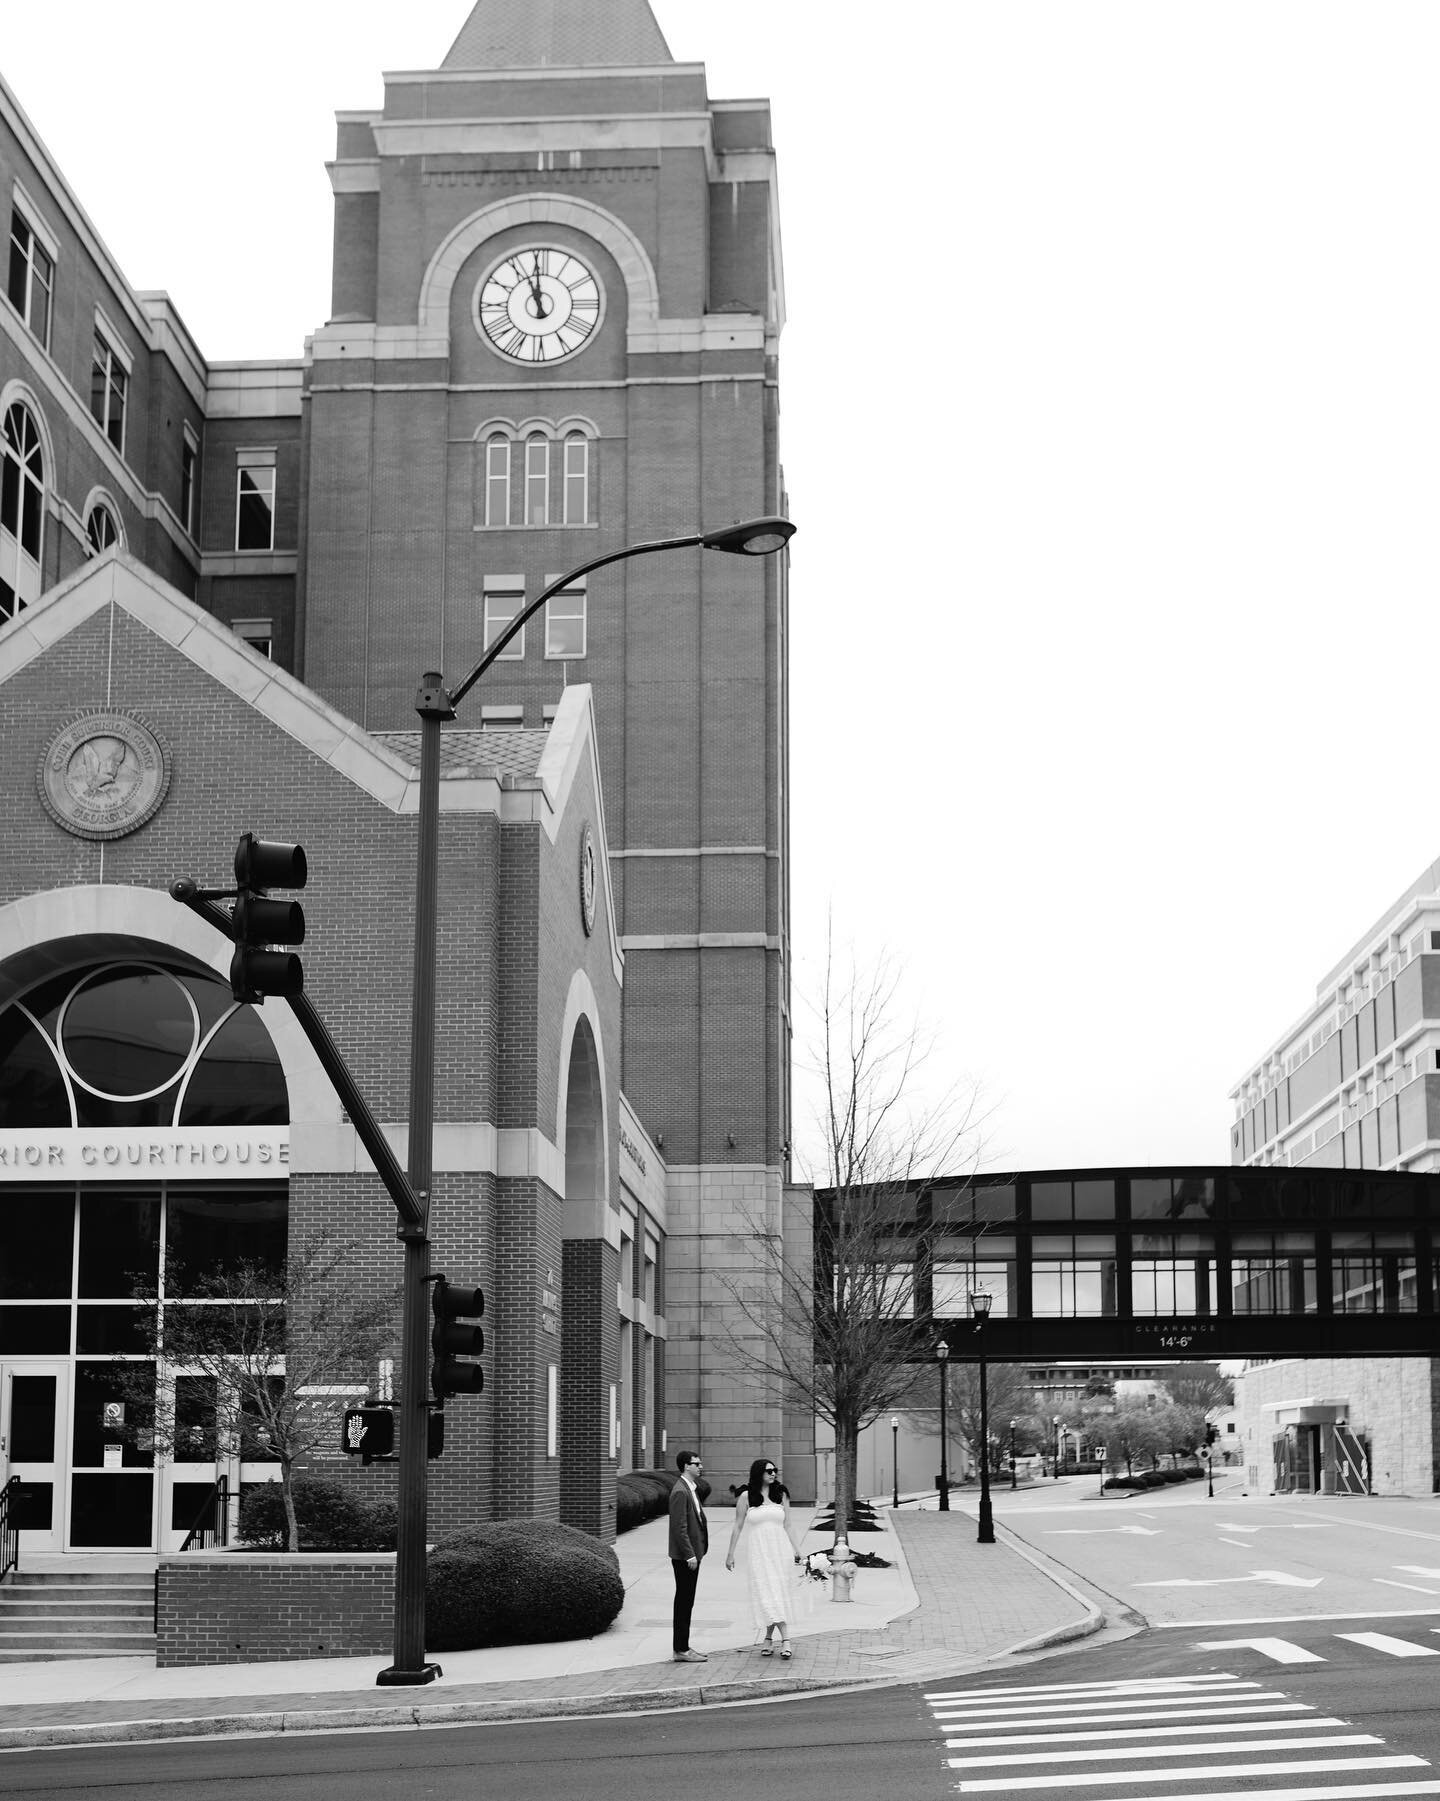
(497, 481)
(1272, 1272)
(22, 510)
(259, 634)
(1073, 1277)
(255, 501)
(504, 598)
(101, 528)
(189, 463)
(1373, 1272)
(577, 479)
(537, 480)
(1172, 1274)
(109, 388)
(32, 277)
(565, 621)
(501, 719)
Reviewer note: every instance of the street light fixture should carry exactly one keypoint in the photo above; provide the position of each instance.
(942, 1352)
(895, 1460)
(1055, 1467)
(980, 1306)
(435, 704)
(1013, 1483)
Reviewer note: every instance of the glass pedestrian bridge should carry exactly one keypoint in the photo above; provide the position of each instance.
(1167, 1263)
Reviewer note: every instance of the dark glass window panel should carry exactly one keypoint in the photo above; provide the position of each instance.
(109, 1411)
(255, 1444)
(192, 1505)
(119, 1331)
(34, 1331)
(32, 1419)
(37, 1231)
(92, 1110)
(255, 523)
(218, 1327)
(9, 494)
(114, 1511)
(1150, 1197)
(1095, 1200)
(45, 998)
(119, 1242)
(209, 1231)
(238, 1080)
(32, 1090)
(128, 1030)
(34, 1507)
(20, 241)
(1050, 1200)
(196, 1421)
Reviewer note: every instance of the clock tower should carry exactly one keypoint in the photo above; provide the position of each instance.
(556, 310)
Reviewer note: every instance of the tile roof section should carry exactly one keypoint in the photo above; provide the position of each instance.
(559, 34)
(470, 751)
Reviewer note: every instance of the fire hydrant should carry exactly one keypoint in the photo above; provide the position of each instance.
(842, 1572)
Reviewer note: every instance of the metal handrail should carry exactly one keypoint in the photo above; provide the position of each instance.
(211, 1526)
(9, 1531)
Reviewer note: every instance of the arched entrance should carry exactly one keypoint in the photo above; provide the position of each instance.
(587, 1385)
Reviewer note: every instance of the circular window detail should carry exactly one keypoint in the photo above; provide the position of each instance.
(128, 1032)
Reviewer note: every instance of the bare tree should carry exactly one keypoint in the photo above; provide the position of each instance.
(840, 1332)
(1197, 1385)
(274, 1344)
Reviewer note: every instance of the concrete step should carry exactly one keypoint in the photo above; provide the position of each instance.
(45, 1616)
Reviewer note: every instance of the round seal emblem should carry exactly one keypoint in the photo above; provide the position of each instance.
(105, 774)
(587, 879)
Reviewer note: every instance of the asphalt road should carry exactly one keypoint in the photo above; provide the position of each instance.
(1296, 1664)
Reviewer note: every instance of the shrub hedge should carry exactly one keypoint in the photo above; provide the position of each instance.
(330, 1517)
(519, 1582)
(642, 1495)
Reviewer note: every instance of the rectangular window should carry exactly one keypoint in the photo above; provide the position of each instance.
(109, 387)
(552, 1411)
(259, 634)
(497, 482)
(577, 480)
(255, 500)
(1273, 1272)
(1073, 1278)
(189, 460)
(501, 719)
(537, 481)
(504, 600)
(31, 285)
(1373, 1272)
(1170, 1275)
(565, 621)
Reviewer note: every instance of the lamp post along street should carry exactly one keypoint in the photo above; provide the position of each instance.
(1013, 1483)
(894, 1462)
(1055, 1467)
(942, 1353)
(435, 704)
(980, 1307)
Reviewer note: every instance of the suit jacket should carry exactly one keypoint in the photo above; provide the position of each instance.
(689, 1532)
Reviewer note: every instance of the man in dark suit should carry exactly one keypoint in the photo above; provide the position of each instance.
(689, 1541)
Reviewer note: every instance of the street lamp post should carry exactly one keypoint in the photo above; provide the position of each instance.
(980, 1307)
(1209, 1474)
(435, 704)
(1013, 1483)
(942, 1352)
(1055, 1467)
(894, 1461)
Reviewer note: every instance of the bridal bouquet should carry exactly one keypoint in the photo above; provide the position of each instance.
(815, 1568)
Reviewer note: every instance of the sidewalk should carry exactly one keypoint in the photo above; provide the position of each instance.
(947, 1603)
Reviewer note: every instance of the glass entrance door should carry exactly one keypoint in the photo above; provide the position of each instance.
(33, 1400)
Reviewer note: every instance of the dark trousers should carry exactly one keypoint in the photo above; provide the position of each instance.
(685, 1580)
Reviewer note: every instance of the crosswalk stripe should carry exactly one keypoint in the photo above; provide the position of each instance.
(1216, 1772)
(1118, 1686)
(1345, 1791)
(1392, 1647)
(1230, 1749)
(1280, 1649)
(1107, 1702)
(1134, 1732)
(952, 1721)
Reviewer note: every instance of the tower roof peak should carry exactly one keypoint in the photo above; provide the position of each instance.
(558, 34)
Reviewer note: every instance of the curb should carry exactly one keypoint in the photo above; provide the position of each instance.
(389, 1719)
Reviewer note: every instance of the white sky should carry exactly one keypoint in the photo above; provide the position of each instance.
(1110, 424)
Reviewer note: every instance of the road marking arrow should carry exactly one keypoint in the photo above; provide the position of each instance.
(1417, 1569)
(1279, 1578)
(1275, 1526)
(1100, 1531)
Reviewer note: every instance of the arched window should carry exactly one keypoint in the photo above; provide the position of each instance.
(497, 480)
(577, 479)
(537, 479)
(22, 510)
(101, 528)
(136, 1044)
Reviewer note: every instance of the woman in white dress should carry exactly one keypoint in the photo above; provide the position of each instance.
(762, 1512)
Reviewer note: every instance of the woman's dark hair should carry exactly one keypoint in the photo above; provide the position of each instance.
(754, 1486)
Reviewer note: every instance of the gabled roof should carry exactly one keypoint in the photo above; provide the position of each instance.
(559, 34)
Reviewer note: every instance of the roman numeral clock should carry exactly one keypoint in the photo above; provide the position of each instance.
(539, 305)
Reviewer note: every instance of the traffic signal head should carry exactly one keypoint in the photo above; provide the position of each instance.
(453, 1340)
(258, 923)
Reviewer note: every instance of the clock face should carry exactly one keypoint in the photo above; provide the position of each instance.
(538, 306)
(587, 880)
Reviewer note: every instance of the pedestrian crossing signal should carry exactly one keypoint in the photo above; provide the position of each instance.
(369, 1433)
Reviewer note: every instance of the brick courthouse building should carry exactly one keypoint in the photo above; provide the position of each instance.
(219, 584)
